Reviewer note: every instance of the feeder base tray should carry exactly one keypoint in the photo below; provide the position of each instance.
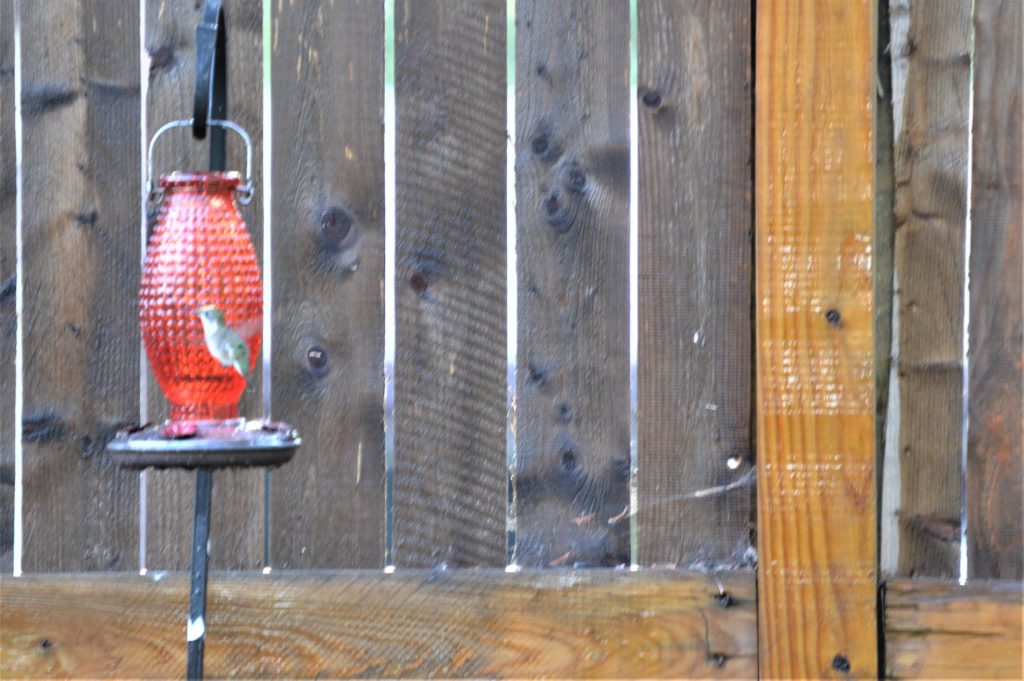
(234, 443)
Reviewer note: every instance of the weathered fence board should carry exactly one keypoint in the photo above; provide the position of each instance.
(940, 630)
(415, 624)
(450, 473)
(930, 218)
(694, 400)
(995, 447)
(80, 272)
(572, 166)
(8, 283)
(327, 505)
(238, 511)
(815, 386)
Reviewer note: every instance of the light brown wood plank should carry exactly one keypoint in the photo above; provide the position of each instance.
(814, 173)
(237, 522)
(8, 284)
(572, 468)
(458, 624)
(995, 446)
(694, 400)
(930, 218)
(450, 474)
(940, 630)
(80, 113)
(327, 505)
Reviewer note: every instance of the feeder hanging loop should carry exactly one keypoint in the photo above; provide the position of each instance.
(245, 191)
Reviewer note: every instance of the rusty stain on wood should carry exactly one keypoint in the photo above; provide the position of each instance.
(938, 629)
(995, 446)
(449, 624)
(815, 385)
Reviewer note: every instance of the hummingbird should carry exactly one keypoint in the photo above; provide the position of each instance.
(224, 345)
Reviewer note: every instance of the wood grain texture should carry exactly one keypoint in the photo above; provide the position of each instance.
(8, 284)
(930, 219)
(814, 174)
(80, 113)
(572, 468)
(940, 630)
(995, 445)
(237, 521)
(450, 474)
(327, 505)
(458, 624)
(694, 401)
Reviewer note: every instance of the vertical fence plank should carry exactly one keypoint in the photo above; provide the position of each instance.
(893, 62)
(327, 505)
(815, 389)
(450, 473)
(572, 168)
(995, 472)
(237, 522)
(80, 113)
(930, 218)
(8, 281)
(694, 401)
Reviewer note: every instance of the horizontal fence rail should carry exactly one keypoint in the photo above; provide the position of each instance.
(419, 624)
(457, 624)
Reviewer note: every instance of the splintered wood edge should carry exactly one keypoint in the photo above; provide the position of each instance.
(413, 623)
(939, 629)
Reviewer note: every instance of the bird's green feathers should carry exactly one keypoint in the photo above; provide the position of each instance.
(224, 345)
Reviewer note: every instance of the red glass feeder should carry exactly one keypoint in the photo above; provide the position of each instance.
(199, 254)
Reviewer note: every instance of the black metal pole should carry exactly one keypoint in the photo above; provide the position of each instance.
(211, 101)
(200, 563)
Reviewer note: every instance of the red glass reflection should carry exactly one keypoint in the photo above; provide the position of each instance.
(199, 254)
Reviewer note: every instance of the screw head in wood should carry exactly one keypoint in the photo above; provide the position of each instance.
(841, 664)
(316, 358)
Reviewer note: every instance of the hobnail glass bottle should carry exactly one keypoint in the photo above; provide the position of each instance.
(199, 254)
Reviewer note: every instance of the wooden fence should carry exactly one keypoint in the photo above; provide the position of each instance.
(828, 370)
